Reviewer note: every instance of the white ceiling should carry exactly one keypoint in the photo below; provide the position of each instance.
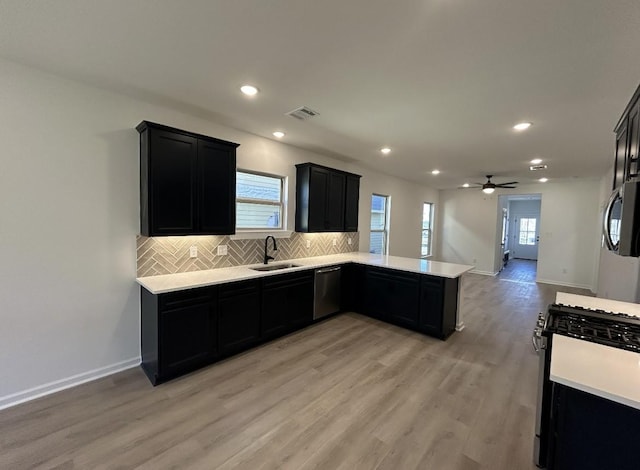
(441, 82)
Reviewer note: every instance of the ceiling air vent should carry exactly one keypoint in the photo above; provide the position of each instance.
(538, 167)
(303, 113)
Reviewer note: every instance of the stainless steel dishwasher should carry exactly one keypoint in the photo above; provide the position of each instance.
(327, 292)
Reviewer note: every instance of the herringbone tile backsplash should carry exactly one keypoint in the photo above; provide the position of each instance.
(169, 255)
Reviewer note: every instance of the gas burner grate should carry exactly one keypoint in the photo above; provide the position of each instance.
(609, 332)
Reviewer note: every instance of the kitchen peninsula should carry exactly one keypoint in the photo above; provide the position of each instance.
(196, 318)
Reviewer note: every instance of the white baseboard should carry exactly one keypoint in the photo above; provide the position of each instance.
(58, 385)
(567, 284)
(460, 326)
(484, 273)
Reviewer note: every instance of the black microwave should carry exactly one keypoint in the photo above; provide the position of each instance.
(622, 220)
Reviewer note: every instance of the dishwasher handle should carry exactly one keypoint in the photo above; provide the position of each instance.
(328, 270)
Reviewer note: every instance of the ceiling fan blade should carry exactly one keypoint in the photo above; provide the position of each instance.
(507, 187)
(510, 182)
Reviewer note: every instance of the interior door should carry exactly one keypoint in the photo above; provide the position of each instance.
(525, 236)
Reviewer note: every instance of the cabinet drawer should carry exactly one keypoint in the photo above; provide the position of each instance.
(287, 279)
(238, 288)
(393, 275)
(183, 298)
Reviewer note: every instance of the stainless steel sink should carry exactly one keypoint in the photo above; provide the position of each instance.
(275, 267)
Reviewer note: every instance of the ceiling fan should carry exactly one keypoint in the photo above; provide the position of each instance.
(489, 187)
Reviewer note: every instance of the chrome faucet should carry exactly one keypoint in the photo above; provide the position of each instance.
(275, 248)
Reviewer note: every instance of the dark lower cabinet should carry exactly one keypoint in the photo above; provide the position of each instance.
(238, 316)
(393, 296)
(287, 303)
(592, 433)
(179, 332)
(184, 330)
(438, 305)
(352, 288)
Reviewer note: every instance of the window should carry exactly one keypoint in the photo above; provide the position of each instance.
(379, 237)
(259, 201)
(527, 231)
(427, 229)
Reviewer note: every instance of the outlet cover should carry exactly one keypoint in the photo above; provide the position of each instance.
(308, 243)
(334, 242)
(349, 241)
(193, 251)
(222, 249)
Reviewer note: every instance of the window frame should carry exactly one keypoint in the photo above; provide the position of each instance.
(282, 203)
(385, 229)
(429, 229)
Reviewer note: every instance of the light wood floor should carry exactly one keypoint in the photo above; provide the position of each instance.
(349, 393)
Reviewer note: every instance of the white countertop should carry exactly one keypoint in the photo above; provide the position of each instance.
(603, 371)
(173, 282)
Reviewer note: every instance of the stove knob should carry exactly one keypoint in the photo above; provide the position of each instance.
(540, 322)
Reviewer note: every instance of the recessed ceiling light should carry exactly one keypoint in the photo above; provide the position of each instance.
(385, 150)
(543, 180)
(466, 185)
(521, 126)
(249, 90)
(536, 161)
(435, 172)
(278, 134)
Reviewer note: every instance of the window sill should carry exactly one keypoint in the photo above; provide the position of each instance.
(259, 234)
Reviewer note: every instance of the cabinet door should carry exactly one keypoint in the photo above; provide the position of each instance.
(217, 188)
(274, 311)
(352, 290)
(335, 210)
(187, 334)
(404, 292)
(238, 316)
(431, 305)
(352, 199)
(318, 186)
(172, 181)
(377, 294)
(300, 302)
(633, 141)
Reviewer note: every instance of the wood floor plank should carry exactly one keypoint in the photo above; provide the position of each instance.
(347, 393)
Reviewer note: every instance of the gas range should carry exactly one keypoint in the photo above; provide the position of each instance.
(617, 330)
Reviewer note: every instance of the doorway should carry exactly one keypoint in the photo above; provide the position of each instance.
(519, 237)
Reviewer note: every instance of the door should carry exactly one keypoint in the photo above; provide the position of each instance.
(217, 188)
(526, 235)
(172, 183)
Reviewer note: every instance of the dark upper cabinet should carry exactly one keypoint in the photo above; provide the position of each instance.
(627, 163)
(352, 199)
(187, 182)
(178, 332)
(325, 199)
(238, 316)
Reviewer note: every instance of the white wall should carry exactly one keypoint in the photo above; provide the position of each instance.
(568, 250)
(618, 276)
(69, 214)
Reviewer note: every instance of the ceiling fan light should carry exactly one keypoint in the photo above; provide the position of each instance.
(488, 190)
